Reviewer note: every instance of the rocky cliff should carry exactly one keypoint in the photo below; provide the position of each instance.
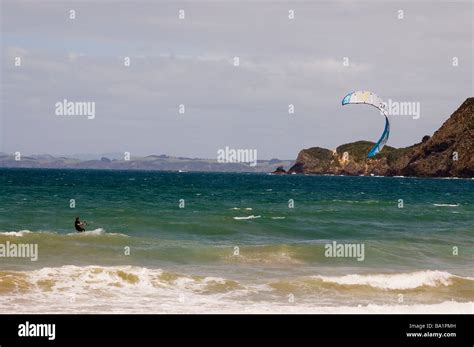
(449, 152)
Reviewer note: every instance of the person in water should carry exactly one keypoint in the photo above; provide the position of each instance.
(79, 225)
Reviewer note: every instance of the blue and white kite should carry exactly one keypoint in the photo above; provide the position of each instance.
(369, 98)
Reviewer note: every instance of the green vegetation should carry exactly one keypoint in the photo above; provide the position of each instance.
(358, 150)
(396, 154)
(320, 153)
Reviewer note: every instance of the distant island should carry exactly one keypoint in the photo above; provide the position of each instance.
(448, 153)
(152, 162)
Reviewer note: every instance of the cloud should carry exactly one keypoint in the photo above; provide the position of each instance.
(15, 51)
(191, 62)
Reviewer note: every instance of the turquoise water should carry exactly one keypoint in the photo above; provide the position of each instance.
(237, 240)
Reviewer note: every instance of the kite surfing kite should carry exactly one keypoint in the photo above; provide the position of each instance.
(369, 98)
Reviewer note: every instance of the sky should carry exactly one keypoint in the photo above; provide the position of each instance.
(190, 62)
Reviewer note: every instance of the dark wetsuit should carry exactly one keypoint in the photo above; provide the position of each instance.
(78, 226)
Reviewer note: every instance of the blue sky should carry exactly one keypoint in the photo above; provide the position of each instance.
(190, 62)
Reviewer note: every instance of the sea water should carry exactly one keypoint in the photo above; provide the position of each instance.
(192, 242)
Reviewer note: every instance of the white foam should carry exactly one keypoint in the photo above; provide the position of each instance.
(446, 205)
(395, 281)
(89, 289)
(445, 307)
(96, 232)
(16, 233)
(247, 217)
(132, 289)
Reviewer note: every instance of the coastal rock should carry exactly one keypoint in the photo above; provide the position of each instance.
(448, 153)
(279, 171)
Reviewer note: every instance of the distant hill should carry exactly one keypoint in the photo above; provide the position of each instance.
(448, 153)
(152, 162)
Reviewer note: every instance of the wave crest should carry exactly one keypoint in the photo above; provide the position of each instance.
(396, 281)
(20, 233)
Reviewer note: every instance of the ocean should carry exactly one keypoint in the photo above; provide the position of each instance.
(192, 242)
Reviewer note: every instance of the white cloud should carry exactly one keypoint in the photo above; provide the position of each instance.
(190, 62)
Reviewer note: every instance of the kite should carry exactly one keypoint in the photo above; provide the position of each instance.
(369, 98)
